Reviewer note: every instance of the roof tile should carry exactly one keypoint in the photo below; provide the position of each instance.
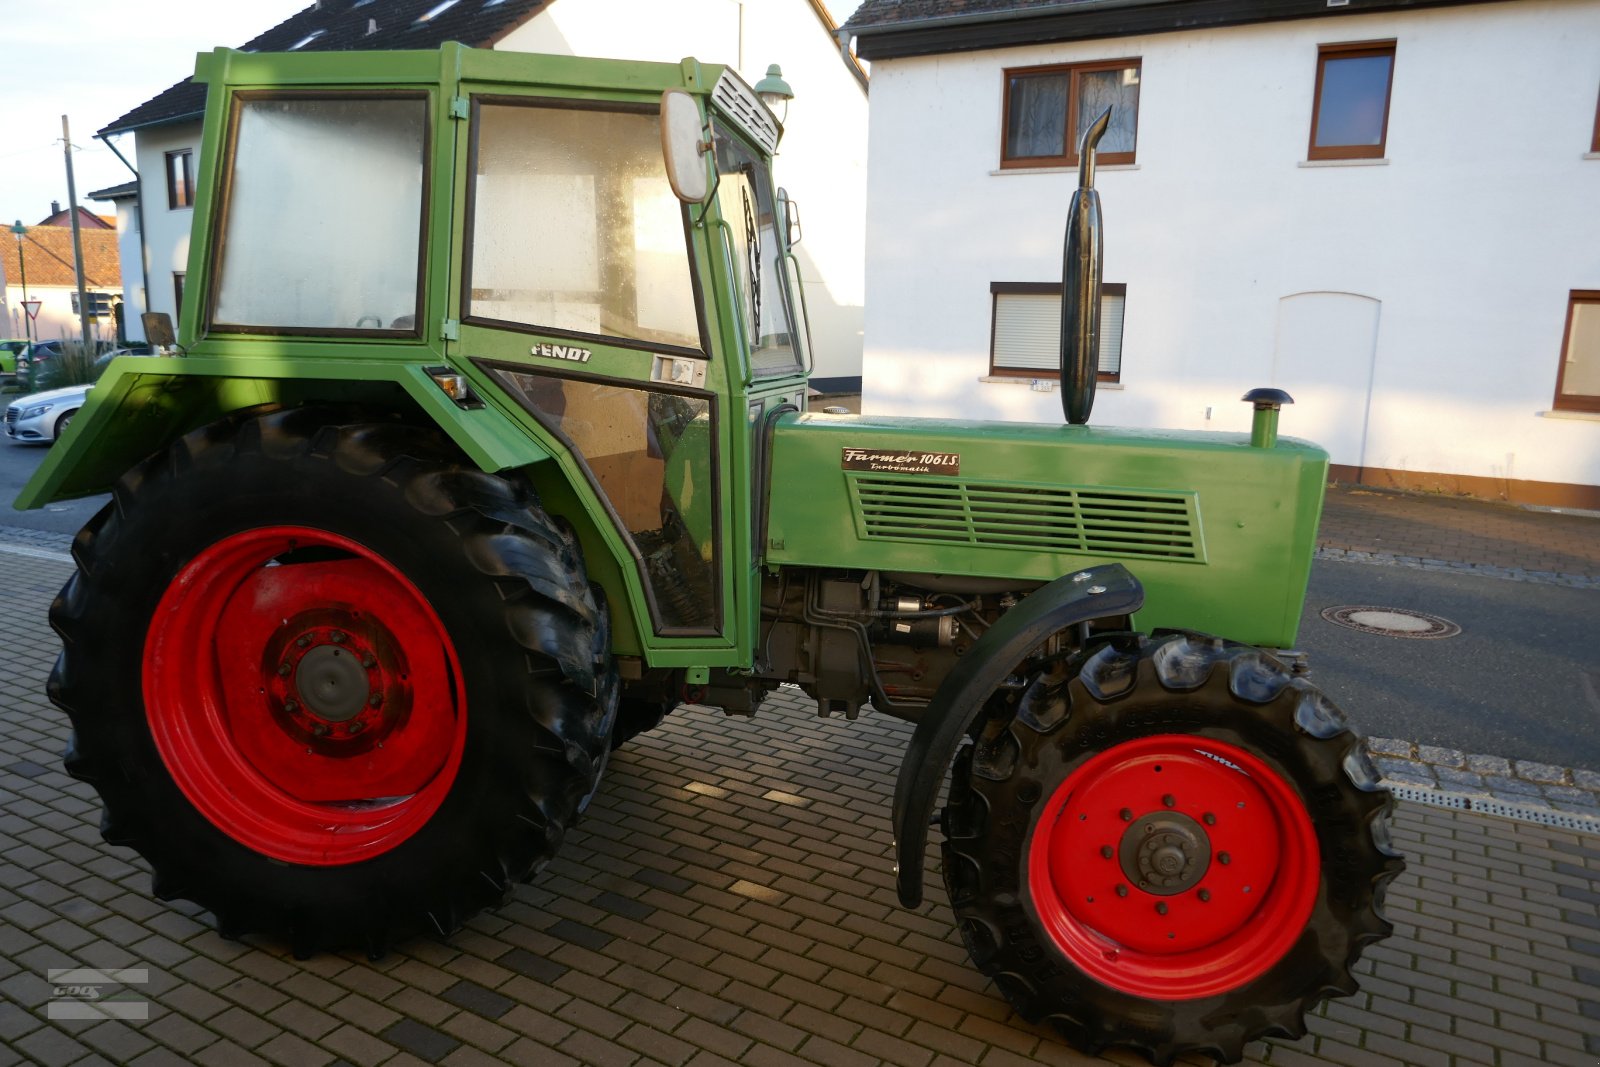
(47, 251)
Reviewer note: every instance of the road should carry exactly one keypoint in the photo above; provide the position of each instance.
(1521, 680)
(17, 464)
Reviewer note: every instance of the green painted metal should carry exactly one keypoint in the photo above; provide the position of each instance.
(1220, 533)
(141, 403)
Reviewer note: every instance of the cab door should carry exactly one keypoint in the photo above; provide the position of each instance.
(579, 299)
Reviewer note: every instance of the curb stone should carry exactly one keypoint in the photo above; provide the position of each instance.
(1485, 570)
(1519, 783)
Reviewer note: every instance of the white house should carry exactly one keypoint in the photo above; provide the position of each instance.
(822, 160)
(1390, 209)
(39, 266)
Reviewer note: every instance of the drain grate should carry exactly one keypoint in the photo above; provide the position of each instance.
(1390, 622)
(1438, 798)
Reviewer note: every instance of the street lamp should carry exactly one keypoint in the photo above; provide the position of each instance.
(22, 268)
(773, 89)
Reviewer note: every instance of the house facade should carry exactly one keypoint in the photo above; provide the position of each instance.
(822, 159)
(1344, 202)
(39, 267)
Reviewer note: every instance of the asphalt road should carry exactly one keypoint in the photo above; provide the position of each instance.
(1521, 680)
(17, 464)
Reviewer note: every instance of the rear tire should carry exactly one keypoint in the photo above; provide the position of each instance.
(268, 583)
(1170, 845)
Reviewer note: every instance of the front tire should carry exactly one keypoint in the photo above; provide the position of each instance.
(336, 687)
(1169, 844)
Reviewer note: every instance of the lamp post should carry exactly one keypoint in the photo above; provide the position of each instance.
(22, 268)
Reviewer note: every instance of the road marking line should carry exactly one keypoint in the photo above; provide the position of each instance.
(35, 553)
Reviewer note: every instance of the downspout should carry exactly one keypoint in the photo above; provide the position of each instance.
(138, 220)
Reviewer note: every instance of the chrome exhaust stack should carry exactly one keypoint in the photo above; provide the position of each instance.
(1082, 266)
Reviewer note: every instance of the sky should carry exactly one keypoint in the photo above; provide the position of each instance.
(96, 60)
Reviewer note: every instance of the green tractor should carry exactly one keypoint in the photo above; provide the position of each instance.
(485, 444)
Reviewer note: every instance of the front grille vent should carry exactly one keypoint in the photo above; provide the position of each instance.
(1128, 523)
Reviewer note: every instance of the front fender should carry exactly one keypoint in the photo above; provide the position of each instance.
(1092, 593)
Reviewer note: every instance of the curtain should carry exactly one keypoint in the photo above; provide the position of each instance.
(1037, 123)
(1118, 90)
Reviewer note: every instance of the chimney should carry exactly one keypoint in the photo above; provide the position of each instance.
(55, 207)
(372, 27)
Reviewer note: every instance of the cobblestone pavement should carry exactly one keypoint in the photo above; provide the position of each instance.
(727, 900)
(1436, 532)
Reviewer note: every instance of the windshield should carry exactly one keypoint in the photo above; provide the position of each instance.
(744, 195)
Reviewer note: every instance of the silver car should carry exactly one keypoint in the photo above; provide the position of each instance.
(44, 416)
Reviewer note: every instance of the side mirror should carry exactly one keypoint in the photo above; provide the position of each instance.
(158, 329)
(791, 218)
(684, 146)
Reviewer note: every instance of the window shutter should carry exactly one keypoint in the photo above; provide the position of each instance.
(1027, 332)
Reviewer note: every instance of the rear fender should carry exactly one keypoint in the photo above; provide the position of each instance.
(1092, 593)
(141, 404)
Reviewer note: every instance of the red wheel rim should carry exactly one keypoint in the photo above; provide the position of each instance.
(1174, 867)
(304, 696)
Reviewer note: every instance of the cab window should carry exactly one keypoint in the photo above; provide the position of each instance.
(574, 227)
(744, 196)
(321, 228)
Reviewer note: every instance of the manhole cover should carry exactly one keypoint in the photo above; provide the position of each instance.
(1391, 622)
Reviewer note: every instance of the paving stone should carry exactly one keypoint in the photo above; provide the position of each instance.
(475, 998)
(1543, 773)
(421, 1041)
(358, 1047)
(1495, 765)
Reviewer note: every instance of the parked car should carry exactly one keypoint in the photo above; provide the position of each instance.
(10, 348)
(43, 417)
(29, 358)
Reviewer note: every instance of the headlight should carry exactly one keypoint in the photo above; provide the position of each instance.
(35, 411)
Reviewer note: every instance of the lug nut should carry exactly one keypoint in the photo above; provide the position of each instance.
(1161, 907)
(1224, 859)
(290, 706)
(356, 727)
(1204, 895)
(283, 670)
(1127, 814)
(338, 637)
(302, 641)
(375, 700)
(1107, 851)
(369, 661)
(1169, 801)
(1210, 819)
(1122, 890)
(320, 730)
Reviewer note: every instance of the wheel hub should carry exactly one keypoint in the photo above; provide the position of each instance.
(335, 682)
(331, 683)
(1165, 853)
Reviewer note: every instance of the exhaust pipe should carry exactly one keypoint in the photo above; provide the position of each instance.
(1080, 284)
